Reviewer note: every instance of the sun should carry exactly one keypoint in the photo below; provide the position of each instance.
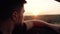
(35, 13)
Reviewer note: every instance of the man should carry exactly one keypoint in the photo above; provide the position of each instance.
(11, 17)
(11, 14)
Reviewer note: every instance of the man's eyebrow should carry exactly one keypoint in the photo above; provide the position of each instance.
(25, 1)
(22, 1)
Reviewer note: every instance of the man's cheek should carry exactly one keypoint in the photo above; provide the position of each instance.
(20, 18)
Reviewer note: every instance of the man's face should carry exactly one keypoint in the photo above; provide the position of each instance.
(19, 15)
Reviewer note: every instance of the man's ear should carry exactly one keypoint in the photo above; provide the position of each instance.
(14, 16)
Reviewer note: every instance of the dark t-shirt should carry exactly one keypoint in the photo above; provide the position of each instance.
(1, 32)
(18, 29)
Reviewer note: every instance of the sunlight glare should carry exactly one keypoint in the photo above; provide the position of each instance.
(35, 13)
(41, 7)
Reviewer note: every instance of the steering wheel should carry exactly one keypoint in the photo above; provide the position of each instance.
(42, 30)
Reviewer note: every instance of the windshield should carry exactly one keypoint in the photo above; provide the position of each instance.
(47, 10)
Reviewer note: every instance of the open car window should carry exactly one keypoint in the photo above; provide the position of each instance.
(46, 10)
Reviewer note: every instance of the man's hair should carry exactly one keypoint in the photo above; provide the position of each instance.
(6, 7)
(57, 0)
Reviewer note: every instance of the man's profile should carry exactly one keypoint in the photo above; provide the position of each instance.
(11, 13)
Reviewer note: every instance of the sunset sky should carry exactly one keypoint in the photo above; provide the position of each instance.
(41, 7)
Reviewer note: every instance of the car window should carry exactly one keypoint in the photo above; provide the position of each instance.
(46, 10)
